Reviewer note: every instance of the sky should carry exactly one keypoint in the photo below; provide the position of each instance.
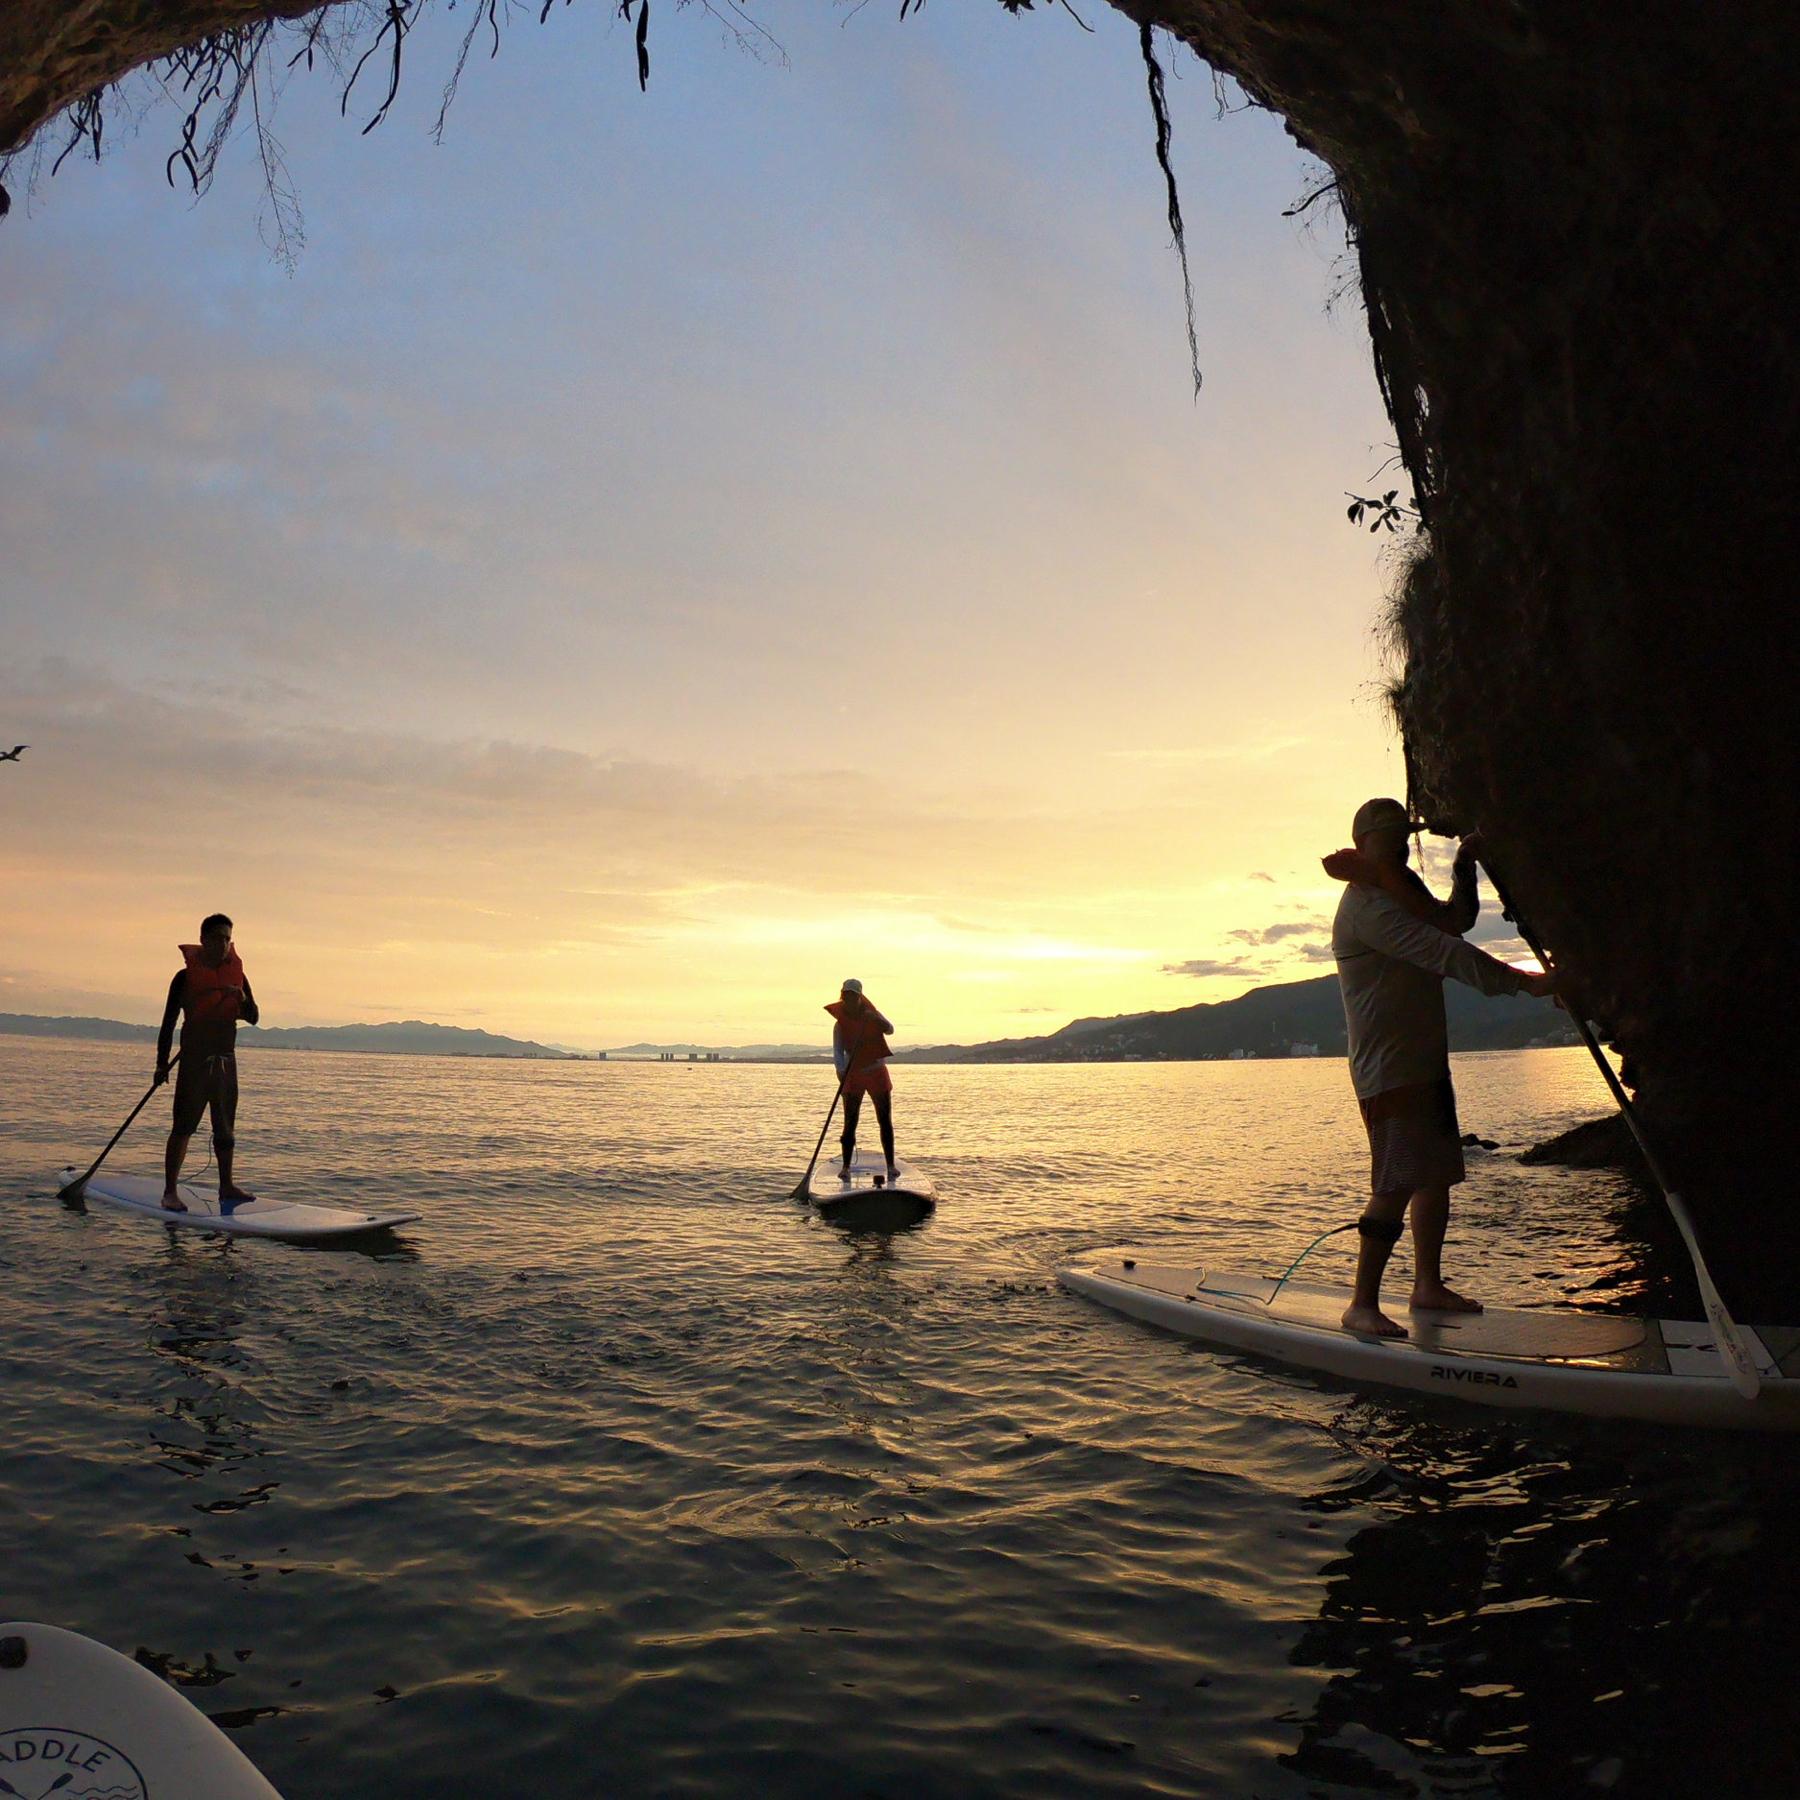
(652, 555)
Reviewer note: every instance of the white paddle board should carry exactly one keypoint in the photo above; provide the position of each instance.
(1667, 1370)
(866, 1194)
(82, 1722)
(291, 1219)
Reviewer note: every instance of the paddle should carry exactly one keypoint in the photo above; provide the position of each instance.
(799, 1193)
(1726, 1335)
(73, 1190)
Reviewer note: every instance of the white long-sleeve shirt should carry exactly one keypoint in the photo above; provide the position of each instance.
(1391, 968)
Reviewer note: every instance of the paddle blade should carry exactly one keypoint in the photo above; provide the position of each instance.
(72, 1190)
(1739, 1363)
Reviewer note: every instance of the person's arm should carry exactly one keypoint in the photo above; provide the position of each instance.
(1404, 886)
(165, 1038)
(1351, 865)
(1395, 880)
(840, 1054)
(1387, 926)
(1463, 907)
(878, 1023)
(250, 1012)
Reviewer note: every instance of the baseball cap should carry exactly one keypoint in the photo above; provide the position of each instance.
(1379, 815)
(852, 986)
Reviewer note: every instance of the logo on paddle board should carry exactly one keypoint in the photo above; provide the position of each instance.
(1477, 1377)
(37, 1761)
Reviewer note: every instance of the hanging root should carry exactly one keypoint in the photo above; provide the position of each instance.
(1159, 108)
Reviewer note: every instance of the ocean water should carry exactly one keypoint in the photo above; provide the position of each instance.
(620, 1473)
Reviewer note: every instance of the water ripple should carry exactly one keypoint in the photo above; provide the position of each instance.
(620, 1472)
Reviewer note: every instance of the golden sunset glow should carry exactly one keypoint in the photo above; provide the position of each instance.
(570, 653)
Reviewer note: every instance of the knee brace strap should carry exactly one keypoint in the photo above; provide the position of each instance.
(1380, 1231)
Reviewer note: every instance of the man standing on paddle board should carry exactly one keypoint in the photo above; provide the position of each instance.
(860, 1051)
(1394, 946)
(214, 992)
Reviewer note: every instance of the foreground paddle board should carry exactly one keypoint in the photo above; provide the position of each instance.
(81, 1721)
(866, 1195)
(1668, 1370)
(291, 1219)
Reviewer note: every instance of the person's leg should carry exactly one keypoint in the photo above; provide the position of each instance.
(188, 1110)
(224, 1120)
(884, 1117)
(1430, 1220)
(1379, 1230)
(173, 1156)
(852, 1108)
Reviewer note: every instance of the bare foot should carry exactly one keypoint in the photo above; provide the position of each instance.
(1371, 1321)
(236, 1195)
(1442, 1299)
(173, 1202)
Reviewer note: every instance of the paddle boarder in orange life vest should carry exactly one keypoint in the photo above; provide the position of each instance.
(214, 993)
(860, 1051)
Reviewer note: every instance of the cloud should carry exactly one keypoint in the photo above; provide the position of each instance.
(1508, 948)
(524, 880)
(1261, 875)
(251, 494)
(1308, 939)
(1204, 968)
(1274, 934)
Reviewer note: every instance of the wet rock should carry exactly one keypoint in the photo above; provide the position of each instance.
(1599, 1144)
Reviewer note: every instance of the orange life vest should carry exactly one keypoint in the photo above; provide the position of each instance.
(868, 1049)
(214, 996)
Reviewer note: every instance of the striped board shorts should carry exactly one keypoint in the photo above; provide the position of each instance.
(1414, 1140)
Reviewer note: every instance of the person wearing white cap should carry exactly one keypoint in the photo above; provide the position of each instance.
(1393, 949)
(860, 1050)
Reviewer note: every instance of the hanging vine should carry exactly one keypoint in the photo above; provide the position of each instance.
(1159, 109)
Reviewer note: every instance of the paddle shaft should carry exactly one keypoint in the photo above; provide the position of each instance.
(1726, 1335)
(799, 1193)
(75, 1187)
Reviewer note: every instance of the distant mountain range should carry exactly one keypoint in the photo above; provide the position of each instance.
(408, 1037)
(1267, 1021)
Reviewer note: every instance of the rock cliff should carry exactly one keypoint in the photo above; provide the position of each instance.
(1570, 222)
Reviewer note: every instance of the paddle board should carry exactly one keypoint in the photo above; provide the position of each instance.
(1667, 1370)
(291, 1219)
(866, 1195)
(82, 1722)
